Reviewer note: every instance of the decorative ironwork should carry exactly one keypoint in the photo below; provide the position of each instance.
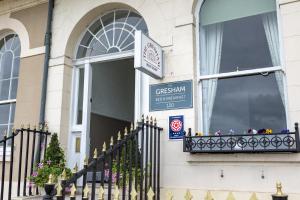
(276, 142)
(130, 155)
(29, 141)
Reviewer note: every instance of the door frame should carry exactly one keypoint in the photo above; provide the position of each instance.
(141, 101)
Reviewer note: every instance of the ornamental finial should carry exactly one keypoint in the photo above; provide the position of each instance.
(86, 191)
(279, 189)
(125, 131)
(95, 153)
(119, 135)
(64, 175)
(73, 191)
(104, 147)
(111, 141)
(59, 190)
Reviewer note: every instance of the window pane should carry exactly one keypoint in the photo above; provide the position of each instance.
(216, 11)
(14, 87)
(16, 67)
(245, 45)
(80, 96)
(247, 102)
(4, 113)
(12, 110)
(4, 89)
(2, 129)
(240, 44)
(6, 65)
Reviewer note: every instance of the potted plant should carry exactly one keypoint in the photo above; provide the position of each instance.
(54, 163)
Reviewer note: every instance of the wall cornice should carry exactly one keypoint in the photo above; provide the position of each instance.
(7, 6)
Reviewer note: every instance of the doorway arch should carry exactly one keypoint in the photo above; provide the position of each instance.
(108, 39)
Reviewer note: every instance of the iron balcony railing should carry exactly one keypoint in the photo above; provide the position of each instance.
(243, 143)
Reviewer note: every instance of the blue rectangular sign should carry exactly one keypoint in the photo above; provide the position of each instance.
(176, 127)
(170, 96)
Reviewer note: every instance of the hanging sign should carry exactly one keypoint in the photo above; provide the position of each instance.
(148, 56)
(176, 127)
(170, 96)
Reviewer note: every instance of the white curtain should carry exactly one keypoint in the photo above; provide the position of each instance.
(271, 30)
(210, 57)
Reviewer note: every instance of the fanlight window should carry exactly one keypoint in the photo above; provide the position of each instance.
(111, 33)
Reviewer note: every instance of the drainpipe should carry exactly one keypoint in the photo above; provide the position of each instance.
(48, 36)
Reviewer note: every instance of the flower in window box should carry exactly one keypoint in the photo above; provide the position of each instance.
(218, 133)
(285, 131)
(252, 131)
(231, 132)
(269, 131)
(199, 134)
(261, 131)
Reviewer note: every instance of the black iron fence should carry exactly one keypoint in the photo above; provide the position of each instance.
(129, 169)
(21, 158)
(243, 143)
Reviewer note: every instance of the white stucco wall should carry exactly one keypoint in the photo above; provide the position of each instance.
(172, 24)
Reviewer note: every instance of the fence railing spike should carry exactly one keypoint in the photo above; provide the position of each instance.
(22, 126)
(104, 147)
(253, 196)
(73, 191)
(59, 190)
(230, 196)
(112, 141)
(188, 195)
(119, 136)
(64, 175)
(75, 169)
(85, 162)
(100, 193)
(28, 126)
(133, 192)
(86, 191)
(50, 179)
(208, 196)
(125, 131)
(150, 194)
(279, 188)
(116, 193)
(170, 195)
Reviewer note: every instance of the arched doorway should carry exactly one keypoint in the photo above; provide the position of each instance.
(106, 88)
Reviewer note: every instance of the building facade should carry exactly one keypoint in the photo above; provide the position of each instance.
(240, 56)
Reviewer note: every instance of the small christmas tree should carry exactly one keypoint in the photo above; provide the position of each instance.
(54, 152)
(54, 163)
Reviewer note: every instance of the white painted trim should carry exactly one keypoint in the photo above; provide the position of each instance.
(33, 52)
(283, 65)
(86, 110)
(105, 57)
(241, 73)
(8, 101)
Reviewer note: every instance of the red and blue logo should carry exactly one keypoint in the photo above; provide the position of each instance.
(176, 127)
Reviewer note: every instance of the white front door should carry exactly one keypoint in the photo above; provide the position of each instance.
(81, 106)
(79, 138)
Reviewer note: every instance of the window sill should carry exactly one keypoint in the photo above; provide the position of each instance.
(244, 158)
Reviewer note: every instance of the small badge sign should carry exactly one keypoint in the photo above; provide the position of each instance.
(176, 127)
(148, 56)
